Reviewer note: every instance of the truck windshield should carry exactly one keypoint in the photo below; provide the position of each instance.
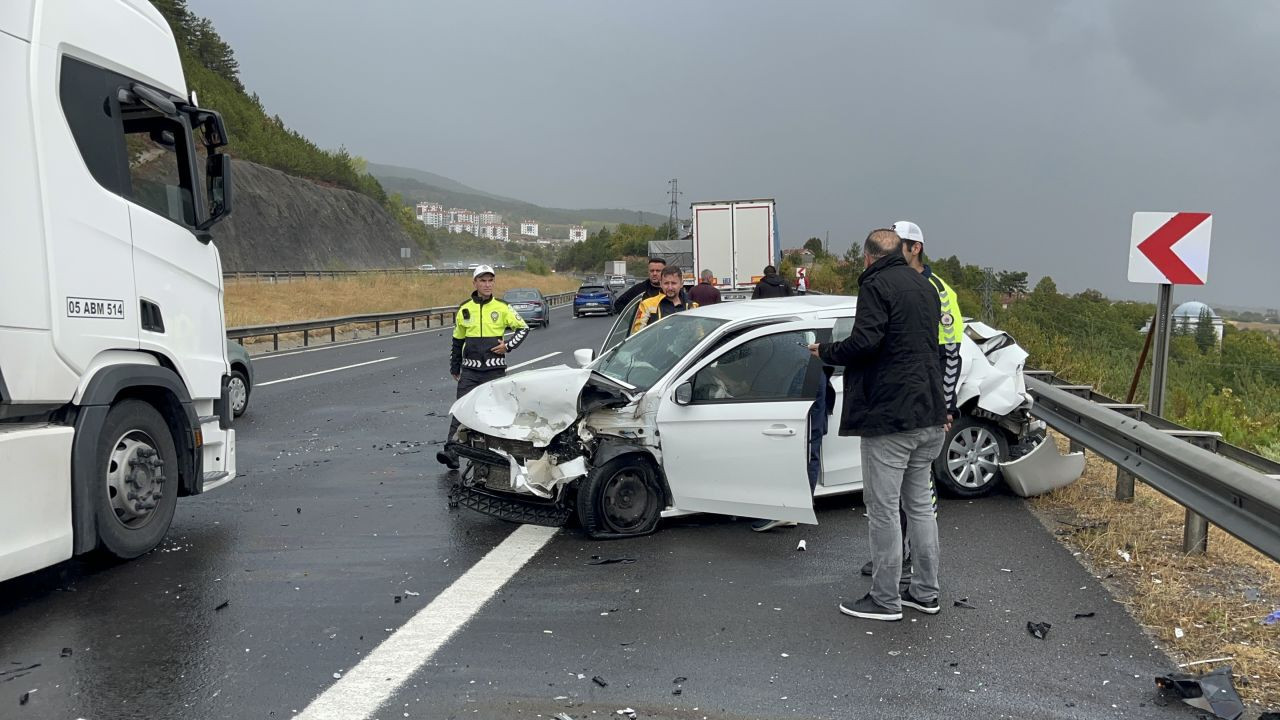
(642, 359)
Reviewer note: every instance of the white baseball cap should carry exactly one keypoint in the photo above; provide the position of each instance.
(482, 269)
(908, 230)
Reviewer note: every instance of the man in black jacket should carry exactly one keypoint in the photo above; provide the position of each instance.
(893, 399)
(771, 285)
(647, 289)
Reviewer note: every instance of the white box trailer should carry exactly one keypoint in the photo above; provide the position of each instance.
(113, 361)
(735, 240)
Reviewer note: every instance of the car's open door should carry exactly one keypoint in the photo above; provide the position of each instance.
(734, 428)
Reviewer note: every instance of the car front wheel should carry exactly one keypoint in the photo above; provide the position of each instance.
(238, 390)
(969, 465)
(621, 498)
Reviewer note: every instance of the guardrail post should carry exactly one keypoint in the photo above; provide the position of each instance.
(1124, 486)
(397, 327)
(1195, 534)
(413, 323)
(306, 338)
(333, 333)
(377, 327)
(275, 341)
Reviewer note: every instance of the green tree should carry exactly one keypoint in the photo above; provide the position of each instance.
(1010, 281)
(1206, 338)
(814, 245)
(1046, 287)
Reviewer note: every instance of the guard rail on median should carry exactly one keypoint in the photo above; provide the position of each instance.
(277, 276)
(427, 317)
(1215, 481)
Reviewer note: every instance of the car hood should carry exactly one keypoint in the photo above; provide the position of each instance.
(536, 405)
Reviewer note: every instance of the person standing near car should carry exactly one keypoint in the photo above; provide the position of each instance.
(671, 301)
(950, 329)
(705, 292)
(771, 285)
(479, 351)
(645, 288)
(893, 400)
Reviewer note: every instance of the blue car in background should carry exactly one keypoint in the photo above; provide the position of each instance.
(530, 304)
(593, 299)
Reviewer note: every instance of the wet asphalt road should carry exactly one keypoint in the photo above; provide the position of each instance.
(340, 508)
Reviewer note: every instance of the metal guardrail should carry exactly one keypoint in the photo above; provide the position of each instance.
(1215, 481)
(427, 317)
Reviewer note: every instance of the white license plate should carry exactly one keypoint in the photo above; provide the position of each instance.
(78, 307)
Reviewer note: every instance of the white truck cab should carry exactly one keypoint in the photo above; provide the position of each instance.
(113, 366)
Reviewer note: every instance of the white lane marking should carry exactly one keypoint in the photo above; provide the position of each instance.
(537, 359)
(325, 372)
(348, 343)
(364, 688)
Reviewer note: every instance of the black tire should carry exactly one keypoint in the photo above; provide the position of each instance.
(576, 315)
(967, 466)
(621, 498)
(133, 431)
(238, 407)
(546, 321)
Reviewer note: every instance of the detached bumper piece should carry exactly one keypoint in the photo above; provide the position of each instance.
(508, 507)
(1042, 470)
(504, 506)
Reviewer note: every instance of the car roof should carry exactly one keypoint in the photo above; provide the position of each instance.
(802, 305)
(521, 290)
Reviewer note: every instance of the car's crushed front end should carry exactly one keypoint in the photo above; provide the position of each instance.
(541, 432)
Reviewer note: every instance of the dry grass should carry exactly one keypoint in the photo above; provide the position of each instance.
(1217, 599)
(256, 303)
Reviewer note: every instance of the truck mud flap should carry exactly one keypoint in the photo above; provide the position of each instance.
(1042, 470)
(509, 508)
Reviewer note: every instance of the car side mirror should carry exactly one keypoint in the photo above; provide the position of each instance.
(584, 356)
(684, 393)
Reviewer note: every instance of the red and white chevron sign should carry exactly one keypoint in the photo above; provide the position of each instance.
(1170, 248)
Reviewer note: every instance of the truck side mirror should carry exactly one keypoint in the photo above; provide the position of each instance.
(218, 179)
(684, 393)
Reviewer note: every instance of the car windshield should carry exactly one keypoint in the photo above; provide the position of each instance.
(642, 359)
(520, 295)
(592, 289)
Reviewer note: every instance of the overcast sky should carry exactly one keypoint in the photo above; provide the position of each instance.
(1019, 134)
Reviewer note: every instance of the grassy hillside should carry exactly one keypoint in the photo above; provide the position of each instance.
(379, 170)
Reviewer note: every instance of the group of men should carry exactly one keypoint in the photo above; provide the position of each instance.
(902, 368)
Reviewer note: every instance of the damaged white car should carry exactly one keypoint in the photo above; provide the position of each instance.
(707, 411)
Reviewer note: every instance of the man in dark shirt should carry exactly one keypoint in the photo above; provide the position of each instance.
(705, 292)
(771, 285)
(671, 301)
(647, 289)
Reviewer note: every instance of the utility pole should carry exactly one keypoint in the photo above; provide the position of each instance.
(826, 244)
(674, 217)
(988, 287)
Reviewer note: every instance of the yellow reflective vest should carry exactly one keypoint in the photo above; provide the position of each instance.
(951, 323)
(478, 327)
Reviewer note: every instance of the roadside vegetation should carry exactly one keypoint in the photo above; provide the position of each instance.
(257, 303)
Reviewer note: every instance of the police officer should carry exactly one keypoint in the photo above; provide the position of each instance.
(950, 329)
(479, 352)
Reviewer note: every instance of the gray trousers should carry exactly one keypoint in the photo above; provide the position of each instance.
(896, 473)
(468, 379)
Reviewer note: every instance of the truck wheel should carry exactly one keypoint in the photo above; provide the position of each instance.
(239, 393)
(621, 498)
(138, 477)
(969, 463)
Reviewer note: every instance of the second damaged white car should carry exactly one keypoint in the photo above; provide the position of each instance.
(707, 411)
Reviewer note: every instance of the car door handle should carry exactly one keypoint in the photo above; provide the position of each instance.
(781, 430)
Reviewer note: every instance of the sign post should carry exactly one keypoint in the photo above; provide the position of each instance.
(1153, 259)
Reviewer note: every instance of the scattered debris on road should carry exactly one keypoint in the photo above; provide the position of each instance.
(1213, 691)
(26, 697)
(66, 652)
(801, 546)
(223, 606)
(964, 603)
(1038, 630)
(597, 560)
(599, 681)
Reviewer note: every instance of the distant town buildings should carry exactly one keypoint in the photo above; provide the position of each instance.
(577, 233)
(488, 224)
(494, 231)
(431, 214)
(529, 228)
